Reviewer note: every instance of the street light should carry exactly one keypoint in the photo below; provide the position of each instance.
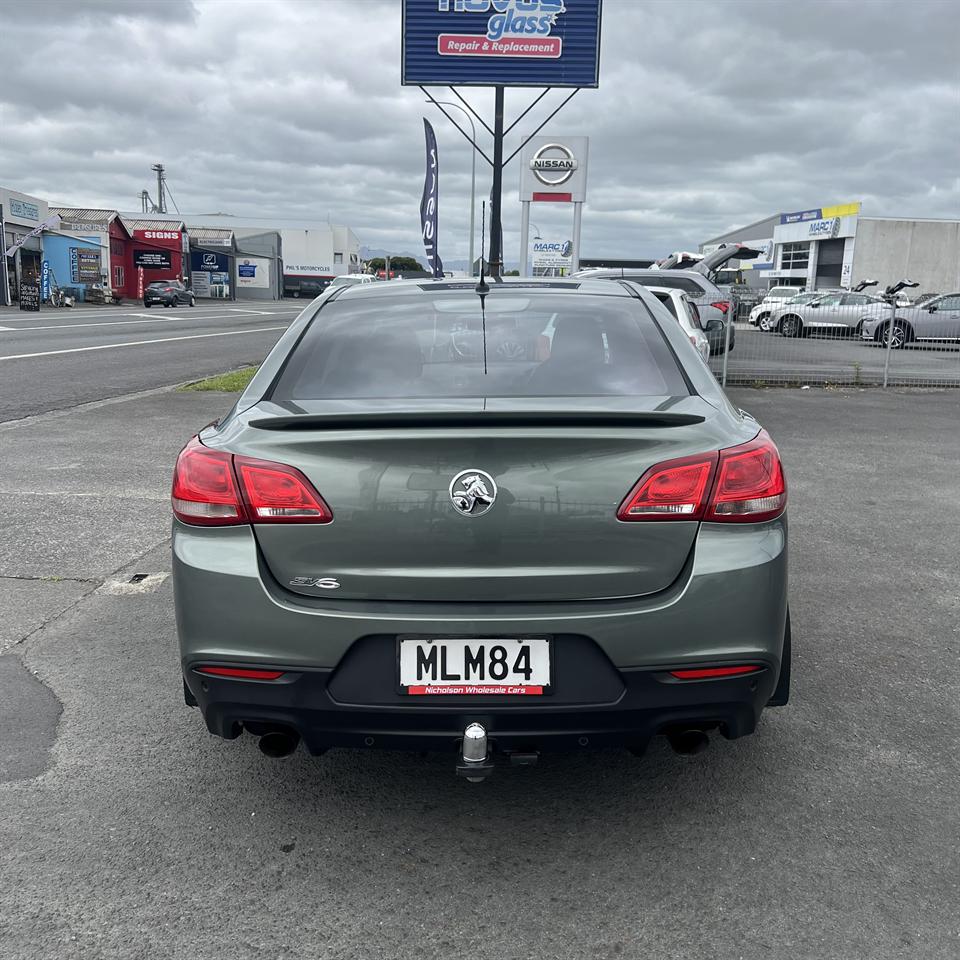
(473, 170)
(536, 236)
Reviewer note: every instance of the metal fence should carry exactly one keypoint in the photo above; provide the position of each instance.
(810, 349)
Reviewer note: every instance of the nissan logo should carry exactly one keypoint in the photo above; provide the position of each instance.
(553, 164)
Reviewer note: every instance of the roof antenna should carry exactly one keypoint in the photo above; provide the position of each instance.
(482, 287)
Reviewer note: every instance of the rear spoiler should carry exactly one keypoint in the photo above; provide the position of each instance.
(447, 419)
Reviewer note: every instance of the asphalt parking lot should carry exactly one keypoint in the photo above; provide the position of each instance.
(127, 831)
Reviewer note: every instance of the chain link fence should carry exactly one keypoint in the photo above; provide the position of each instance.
(842, 340)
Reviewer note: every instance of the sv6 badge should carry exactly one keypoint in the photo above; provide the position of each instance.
(324, 583)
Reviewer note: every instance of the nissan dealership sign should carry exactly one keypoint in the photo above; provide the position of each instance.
(554, 169)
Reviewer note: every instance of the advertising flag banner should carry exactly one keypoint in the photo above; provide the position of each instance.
(430, 201)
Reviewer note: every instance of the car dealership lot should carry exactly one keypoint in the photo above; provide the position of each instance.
(146, 837)
(820, 359)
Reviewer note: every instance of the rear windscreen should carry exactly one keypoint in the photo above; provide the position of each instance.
(443, 345)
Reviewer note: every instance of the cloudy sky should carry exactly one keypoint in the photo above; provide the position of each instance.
(709, 115)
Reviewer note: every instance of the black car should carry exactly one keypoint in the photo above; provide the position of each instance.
(169, 293)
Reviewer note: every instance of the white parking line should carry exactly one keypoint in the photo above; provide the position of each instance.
(140, 343)
(102, 323)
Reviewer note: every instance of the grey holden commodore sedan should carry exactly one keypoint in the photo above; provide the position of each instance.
(491, 519)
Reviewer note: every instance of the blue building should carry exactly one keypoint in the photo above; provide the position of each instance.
(77, 261)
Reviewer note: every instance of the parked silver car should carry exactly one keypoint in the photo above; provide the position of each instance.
(762, 312)
(933, 320)
(836, 314)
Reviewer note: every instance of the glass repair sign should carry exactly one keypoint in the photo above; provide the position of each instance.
(554, 43)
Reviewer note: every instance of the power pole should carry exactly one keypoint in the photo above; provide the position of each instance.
(161, 194)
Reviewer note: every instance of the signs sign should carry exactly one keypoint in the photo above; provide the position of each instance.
(510, 42)
(554, 169)
(84, 265)
(45, 280)
(29, 296)
(158, 235)
(140, 283)
(152, 259)
(253, 272)
(430, 201)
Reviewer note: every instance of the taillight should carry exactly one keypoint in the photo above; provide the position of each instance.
(711, 673)
(750, 485)
(722, 305)
(215, 488)
(240, 673)
(672, 490)
(742, 484)
(205, 488)
(276, 493)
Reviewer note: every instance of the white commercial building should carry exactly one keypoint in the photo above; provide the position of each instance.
(836, 246)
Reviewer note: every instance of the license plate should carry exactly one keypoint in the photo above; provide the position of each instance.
(475, 667)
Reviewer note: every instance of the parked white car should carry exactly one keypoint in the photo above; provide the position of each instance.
(687, 314)
(775, 297)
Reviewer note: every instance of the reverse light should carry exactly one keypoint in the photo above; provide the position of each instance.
(215, 488)
(741, 484)
(240, 673)
(276, 493)
(204, 487)
(750, 485)
(710, 673)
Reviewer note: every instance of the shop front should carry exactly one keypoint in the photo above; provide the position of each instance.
(77, 262)
(212, 258)
(22, 220)
(158, 251)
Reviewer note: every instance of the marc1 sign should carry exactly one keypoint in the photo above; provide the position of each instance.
(517, 43)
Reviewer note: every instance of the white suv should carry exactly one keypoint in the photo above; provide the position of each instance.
(775, 297)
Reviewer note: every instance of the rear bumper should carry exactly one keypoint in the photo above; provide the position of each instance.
(728, 606)
(650, 702)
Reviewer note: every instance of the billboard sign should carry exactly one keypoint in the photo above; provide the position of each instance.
(540, 43)
(551, 254)
(152, 259)
(554, 169)
(84, 265)
(253, 272)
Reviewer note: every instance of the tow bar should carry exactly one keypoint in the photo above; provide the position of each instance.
(475, 763)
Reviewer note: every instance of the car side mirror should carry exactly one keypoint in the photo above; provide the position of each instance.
(932, 308)
(716, 324)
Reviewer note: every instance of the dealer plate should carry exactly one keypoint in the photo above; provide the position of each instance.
(502, 667)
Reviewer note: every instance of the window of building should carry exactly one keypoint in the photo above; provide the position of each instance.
(116, 248)
(118, 277)
(338, 258)
(795, 256)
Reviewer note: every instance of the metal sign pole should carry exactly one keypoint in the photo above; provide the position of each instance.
(890, 332)
(524, 238)
(575, 252)
(496, 224)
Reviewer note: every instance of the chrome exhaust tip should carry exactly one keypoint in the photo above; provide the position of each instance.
(688, 742)
(279, 743)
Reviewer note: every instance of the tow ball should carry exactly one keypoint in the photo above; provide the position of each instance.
(475, 761)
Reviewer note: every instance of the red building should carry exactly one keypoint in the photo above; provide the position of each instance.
(160, 248)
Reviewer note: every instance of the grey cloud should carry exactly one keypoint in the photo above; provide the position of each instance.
(708, 115)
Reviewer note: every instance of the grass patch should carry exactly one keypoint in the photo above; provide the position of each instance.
(233, 382)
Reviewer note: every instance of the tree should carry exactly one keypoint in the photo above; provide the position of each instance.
(397, 264)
